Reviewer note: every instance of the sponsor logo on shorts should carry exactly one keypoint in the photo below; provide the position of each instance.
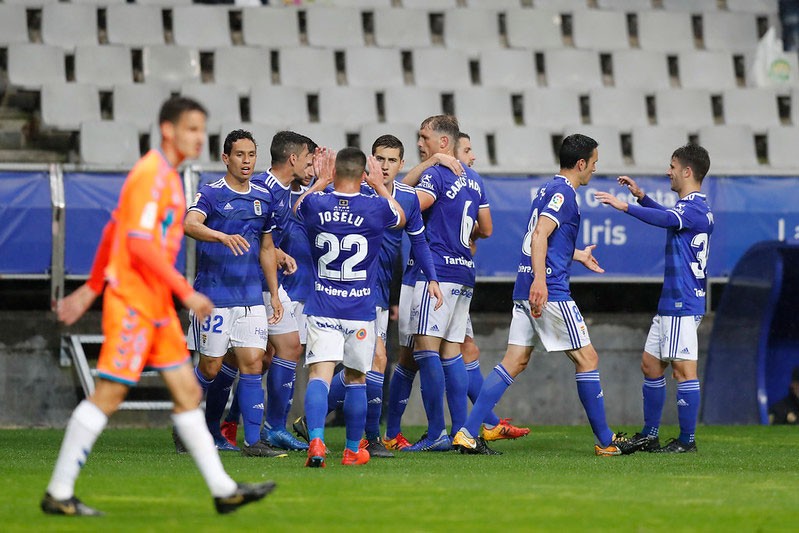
(360, 334)
(462, 292)
(261, 332)
(336, 327)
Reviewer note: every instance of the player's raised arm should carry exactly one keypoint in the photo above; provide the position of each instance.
(538, 257)
(375, 180)
(268, 261)
(651, 215)
(324, 163)
(586, 257)
(413, 175)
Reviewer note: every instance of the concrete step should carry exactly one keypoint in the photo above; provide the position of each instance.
(13, 133)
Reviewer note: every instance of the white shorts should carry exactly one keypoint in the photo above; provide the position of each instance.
(561, 326)
(288, 323)
(297, 308)
(449, 321)
(673, 338)
(381, 323)
(404, 318)
(349, 341)
(228, 327)
(469, 330)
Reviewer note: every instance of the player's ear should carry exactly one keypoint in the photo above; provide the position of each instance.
(167, 130)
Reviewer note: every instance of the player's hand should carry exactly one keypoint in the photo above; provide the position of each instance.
(374, 178)
(277, 309)
(538, 297)
(324, 163)
(586, 257)
(237, 244)
(628, 182)
(72, 307)
(608, 199)
(393, 312)
(434, 290)
(199, 304)
(288, 264)
(450, 162)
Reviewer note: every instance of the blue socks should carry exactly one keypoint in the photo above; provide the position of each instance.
(654, 393)
(475, 384)
(399, 390)
(354, 414)
(251, 400)
(374, 403)
(335, 397)
(279, 385)
(316, 407)
(687, 409)
(431, 375)
(216, 398)
(456, 381)
(495, 385)
(590, 391)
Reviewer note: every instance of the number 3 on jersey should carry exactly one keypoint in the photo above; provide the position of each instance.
(334, 247)
(698, 267)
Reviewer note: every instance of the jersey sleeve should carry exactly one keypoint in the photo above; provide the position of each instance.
(429, 182)
(306, 204)
(682, 210)
(483, 195)
(560, 205)
(391, 217)
(203, 202)
(414, 224)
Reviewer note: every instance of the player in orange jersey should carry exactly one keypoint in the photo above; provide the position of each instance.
(140, 324)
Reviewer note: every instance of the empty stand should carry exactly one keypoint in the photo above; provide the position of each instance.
(242, 67)
(525, 150)
(600, 30)
(484, 107)
(172, 65)
(610, 154)
(103, 66)
(494, 4)
(66, 105)
(262, 133)
(430, 4)
(624, 108)
(551, 108)
(537, 29)
(109, 143)
(203, 27)
(360, 3)
(653, 145)
(410, 105)
(692, 6)
(756, 108)
(310, 68)
(443, 68)
(731, 148)
(165, 3)
(334, 27)
(69, 25)
(401, 28)
(373, 67)
(508, 68)
(782, 144)
(706, 70)
(684, 107)
(471, 30)
(730, 32)
(347, 106)
(564, 5)
(567, 68)
(640, 69)
(32, 65)
(272, 28)
(768, 7)
(479, 142)
(139, 103)
(625, 5)
(665, 31)
(221, 101)
(278, 106)
(406, 133)
(134, 25)
(13, 24)
(330, 135)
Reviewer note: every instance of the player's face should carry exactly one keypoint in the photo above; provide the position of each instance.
(463, 151)
(589, 167)
(390, 162)
(241, 161)
(676, 174)
(187, 135)
(301, 162)
(309, 174)
(429, 142)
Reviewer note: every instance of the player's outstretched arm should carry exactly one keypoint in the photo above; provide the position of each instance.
(651, 215)
(375, 180)
(268, 261)
(194, 226)
(640, 195)
(539, 294)
(586, 257)
(413, 175)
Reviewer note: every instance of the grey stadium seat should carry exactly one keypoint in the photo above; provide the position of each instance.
(769, 7)
(494, 4)
(401, 28)
(66, 105)
(108, 143)
(551, 108)
(623, 108)
(706, 70)
(330, 135)
(735, 32)
(640, 69)
(508, 68)
(600, 30)
(653, 145)
(411, 105)
(485, 107)
(684, 107)
(430, 4)
(278, 106)
(270, 27)
(407, 133)
(360, 3)
(173, 65)
(782, 143)
(692, 6)
(568, 68)
(31, 3)
(203, 27)
(69, 25)
(221, 102)
(471, 30)
(347, 106)
(331, 27)
(164, 3)
(537, 29)
(231, 61)
(103, 66)
(134, 25)
(262, 133)
(443, 68)
(139, 103)
(608, 137)
(373, 67)
(564, 5)
(526, 150)
(756, 108)
(625, 5)
(32, 65)
(13, 24)
(665, 31)
(310, 68)
(731, 148)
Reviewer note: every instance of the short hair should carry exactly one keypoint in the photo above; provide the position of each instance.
(350, 163)
(463, 135)
(388, 141)
(443, 125)
(233, 136)
(285, 143)
(694, 156)
(312, 146)
(173, 109)
(576, 147)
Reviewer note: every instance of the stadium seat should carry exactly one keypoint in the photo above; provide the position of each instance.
(684, 107)
(407, 133)
(103, 66)
(508, 68)
(706, 70)
(401, 28)
(536, 29)
(69, 25)
(766, 7)
(756, 108)
(430, 4)
(731, 148)
(562, 5)
(310, 68)
(600, 30)
(278, 106)
(621, 107)
(100, 3)
(347, 106)
(653, 146)
(32, 65)
(262, 133)
(203, 27)
(171, 64)
(484, 107)
(610, 155)
(330, 135)
(373, 67)
(231, 62)
(65, 105)
(273, 28)
(568, 68)
(139, 103)
(13, 24)
(526, 150)
(730, 32)
(471, 30)
(494, 4)
(411, 105)
(134, 25)
(165, 3)
(442, 68)
(360, 3)
(551, 108)
(220, 100)
(334, 27)
(692, 6)
(205, 153)
(625, 5)
(31, 3)
(108, 143)
(640, 69)
(782, 143)
(665, 31)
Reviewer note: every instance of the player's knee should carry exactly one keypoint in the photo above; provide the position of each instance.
(209, 366)
(380, 361)
(354, 376)
(470, 350)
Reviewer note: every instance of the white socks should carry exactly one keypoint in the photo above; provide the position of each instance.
(192, 430)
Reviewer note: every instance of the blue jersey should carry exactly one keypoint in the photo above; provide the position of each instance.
(281, 208)
(687, 247)
(230, 280)
(346, 233)
(556, 200)
(295, 243)
(450, 220)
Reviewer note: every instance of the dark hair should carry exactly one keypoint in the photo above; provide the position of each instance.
(388, 141)
(694, 156)
(312, 146)
(233, 136)
(350, 163)
(576, 147)
(464, 135)
(443, 125)
(173, 109)
(285, 143)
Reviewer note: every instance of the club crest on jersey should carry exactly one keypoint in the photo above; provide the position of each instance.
(257, 206)
(343, 202)
(360, 334)
(555, 202)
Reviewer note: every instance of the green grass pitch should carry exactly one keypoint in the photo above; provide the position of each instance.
(742, 479)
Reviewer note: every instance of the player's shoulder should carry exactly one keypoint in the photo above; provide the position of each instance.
(260, 190)
(404, 189)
